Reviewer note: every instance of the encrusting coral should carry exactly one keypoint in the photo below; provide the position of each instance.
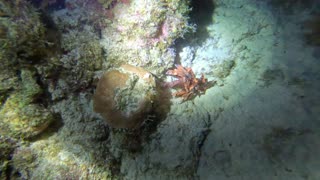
(186, 79)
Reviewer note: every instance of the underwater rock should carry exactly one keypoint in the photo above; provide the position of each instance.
(22, 32)
(82, 57)
(22, 39)
(105, 3)
(124, 96)
(23, 120)
(146, 31)
(23, 161)
(7, 146)
(20, 117)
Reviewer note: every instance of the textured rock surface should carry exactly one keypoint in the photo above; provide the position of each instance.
(18, 45)
(145, 30)
(23, 43)
(19, 117)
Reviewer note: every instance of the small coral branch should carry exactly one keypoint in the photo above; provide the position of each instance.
(189, 85)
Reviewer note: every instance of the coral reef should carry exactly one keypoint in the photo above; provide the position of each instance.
(81, 58)
(105, 3)
(7, 146)
(24, 45)
(145, 30)
(20, 117)
(55, 55)
(80, 55)
(21, 37)
(23, 162)
(124, 96)
(22, 32)
(41, 67)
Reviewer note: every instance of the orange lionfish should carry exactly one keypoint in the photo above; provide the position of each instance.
(187, 81)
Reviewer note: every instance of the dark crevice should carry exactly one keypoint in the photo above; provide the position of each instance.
(49, 5)
(200, 15)
(43, 98)
(8, 172)
(196, 146)
(5, 95)
(51, 129)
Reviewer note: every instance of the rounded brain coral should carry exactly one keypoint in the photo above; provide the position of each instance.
(124, 96)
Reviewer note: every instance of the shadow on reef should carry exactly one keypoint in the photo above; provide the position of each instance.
(201, 16)
(312, 34)
(28, 45)
(53, 128)
(48, 5)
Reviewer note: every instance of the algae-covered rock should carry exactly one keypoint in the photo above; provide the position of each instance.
(8, 82)
(22, 33)
(124, 96)
(23, 162)
(142, 33)
(105, 3)
(23, 121)
(29, 74)
(82, 57)
(21, 36)
(19, 116)
(7, 146)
